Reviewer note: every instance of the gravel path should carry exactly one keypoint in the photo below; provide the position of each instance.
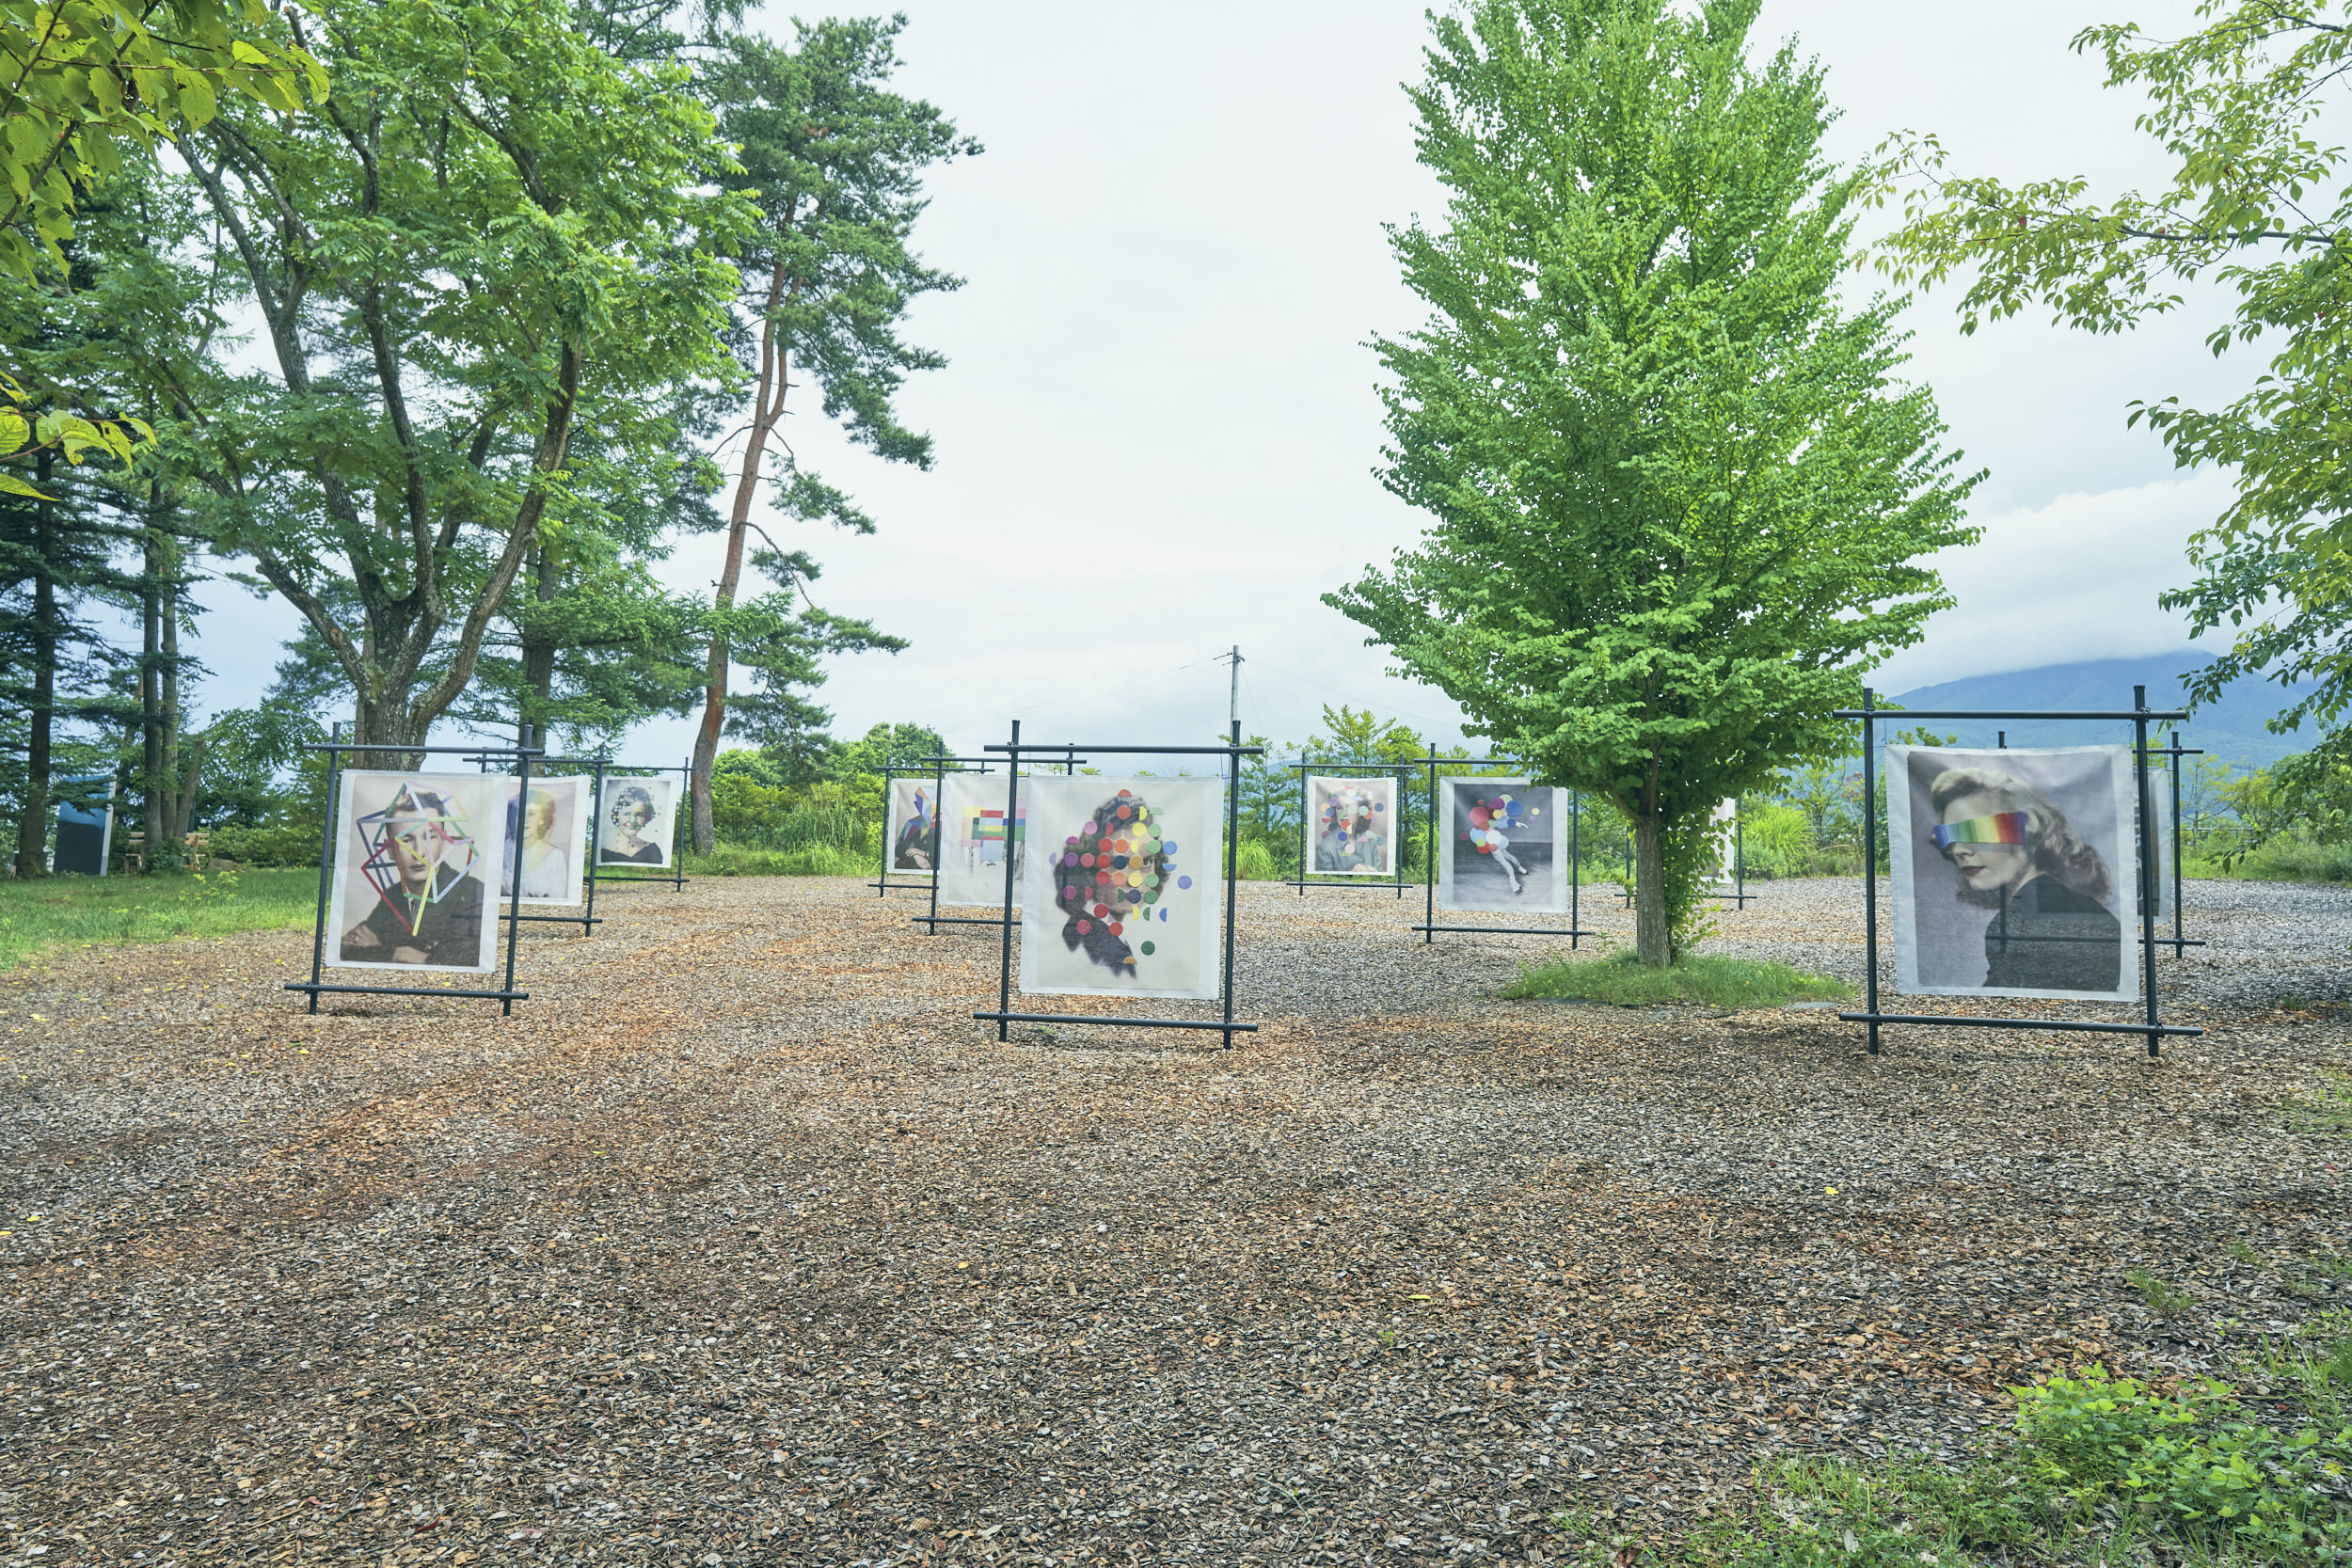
(741, 1243)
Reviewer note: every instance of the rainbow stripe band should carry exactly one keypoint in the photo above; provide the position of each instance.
(2002, 827)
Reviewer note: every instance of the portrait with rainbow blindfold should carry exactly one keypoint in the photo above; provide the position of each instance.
(2007, 870)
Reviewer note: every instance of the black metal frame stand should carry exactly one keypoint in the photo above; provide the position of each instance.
(2175, 751)
(677, 879)
(1429, 927)
(587, 920)
(1004, 1016)
(2139, 718)
(1740, 895)
(1402, 771)
(334, 747)
(892, 773)
(935, 920)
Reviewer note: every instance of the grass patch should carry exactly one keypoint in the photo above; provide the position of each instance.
(68, 913)
(2162, 1298)
(1708, 981)
(814, 860)
(2096, 1469)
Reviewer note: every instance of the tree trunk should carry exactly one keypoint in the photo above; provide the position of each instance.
(32, 827)
(539, 651)
(767, 408)
(1653, 937)
(153, 809)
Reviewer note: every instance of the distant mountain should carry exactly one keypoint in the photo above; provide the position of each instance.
(2231, 729)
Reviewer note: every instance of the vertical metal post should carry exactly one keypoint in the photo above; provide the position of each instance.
(1429, 880)
(2180, 936)
(939, 794)
(1012, 815)
(1871, 863)
(2147, 883)
(881, 883)
(1739, 854)
(680, 833)
(1576, 864)
(1306, 838)
(1232, 861)
(515, 899)
(595, 824)
(1396, 828)
(327, 860)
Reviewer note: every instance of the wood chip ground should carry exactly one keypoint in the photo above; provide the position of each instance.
(740, 1243)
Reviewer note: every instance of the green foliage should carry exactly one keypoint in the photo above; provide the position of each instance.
(891, 745)
(1703, 979)
(516, 316)
(2257, 201)
(2098, 1470)
(82, 79)
(832, 162)
(1677, 495)
(2162, 1298)
(74, 912)
(1256, 862)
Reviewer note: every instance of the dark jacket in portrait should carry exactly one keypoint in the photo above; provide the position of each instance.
(448, 927)
(644, 854)
(2048, 937)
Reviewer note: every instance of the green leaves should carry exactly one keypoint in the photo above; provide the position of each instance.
(2256, 202)
(1676, 497)
(79, 77)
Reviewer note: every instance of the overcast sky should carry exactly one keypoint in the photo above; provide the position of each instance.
(1157, 431)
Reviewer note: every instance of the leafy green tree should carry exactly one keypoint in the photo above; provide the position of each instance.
(833, 160)
(1677, 496)
(2258, 201)
(494, 237)
(80, 79)
(891, 745)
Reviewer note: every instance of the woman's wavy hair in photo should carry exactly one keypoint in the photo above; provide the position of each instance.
(2057, 849)
(634, 795)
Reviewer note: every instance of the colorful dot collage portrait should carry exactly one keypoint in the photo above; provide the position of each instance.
(1351, 826)
(1121, 895)
(1503, 846)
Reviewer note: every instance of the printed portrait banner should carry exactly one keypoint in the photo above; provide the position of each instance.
(1503, 846)
(636, 821)
(1123, 891)
(2014, 872)
(913, 812)
(548, 844)
(973, 840)
(417, 858)
(1724, 824)
(1351, 826)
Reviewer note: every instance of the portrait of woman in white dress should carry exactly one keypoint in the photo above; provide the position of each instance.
(542, 860)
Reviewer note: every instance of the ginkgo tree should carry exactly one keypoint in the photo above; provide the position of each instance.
(1678, 498)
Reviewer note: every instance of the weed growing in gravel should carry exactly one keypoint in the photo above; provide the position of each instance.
(1713, 982)
(2162, 1299)
(89, 911)
(2331, 1112)
(2099, 1470)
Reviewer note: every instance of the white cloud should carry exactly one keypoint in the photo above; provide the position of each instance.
(2075, 579)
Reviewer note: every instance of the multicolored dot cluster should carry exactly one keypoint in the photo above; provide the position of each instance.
(1491, 816)
(1352, 813)
(1115, 868)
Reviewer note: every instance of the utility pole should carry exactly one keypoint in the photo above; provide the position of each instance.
(1233, 700)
